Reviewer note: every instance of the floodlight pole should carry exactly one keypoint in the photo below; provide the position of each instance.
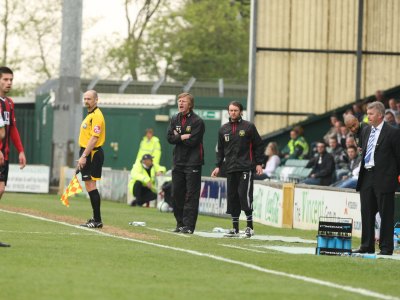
(68, 103)
(252, 61)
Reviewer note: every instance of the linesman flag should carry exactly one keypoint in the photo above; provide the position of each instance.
(74, 187)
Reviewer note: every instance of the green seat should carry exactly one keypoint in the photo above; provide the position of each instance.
(296, 162)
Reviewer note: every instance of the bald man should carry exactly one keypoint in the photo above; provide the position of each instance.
(91, 139)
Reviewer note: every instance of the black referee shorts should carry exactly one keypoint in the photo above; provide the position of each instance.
(94, 164)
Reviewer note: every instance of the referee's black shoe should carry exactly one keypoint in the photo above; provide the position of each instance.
(93, 224)
(4, 245)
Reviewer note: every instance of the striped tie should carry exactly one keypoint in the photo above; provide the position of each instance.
(370, 146)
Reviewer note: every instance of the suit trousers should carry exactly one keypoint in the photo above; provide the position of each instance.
(373, 201)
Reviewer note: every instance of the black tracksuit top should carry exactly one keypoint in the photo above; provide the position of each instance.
(190, 152)
(240, 145)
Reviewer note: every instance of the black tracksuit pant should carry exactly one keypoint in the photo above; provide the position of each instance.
(186, 184)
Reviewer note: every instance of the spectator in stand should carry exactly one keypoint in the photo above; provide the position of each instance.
(390, 119)
(332, 130)
(323, 167)
(272, 163)
(355, 127)
(350, 141)
(398, 120)
(380, 97)
(393, 106)
(357, 111)
(339, 156)
(343, 135)
(350, 180)
(398, 106)
(296, 148)
(364, 110)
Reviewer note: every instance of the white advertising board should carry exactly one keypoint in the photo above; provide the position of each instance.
(267, 205)
(31, 179)
(310, 204)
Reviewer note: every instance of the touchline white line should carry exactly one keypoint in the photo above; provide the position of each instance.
(242, 248)
(350, 289)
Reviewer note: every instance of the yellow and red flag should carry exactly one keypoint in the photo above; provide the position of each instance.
(74, 187)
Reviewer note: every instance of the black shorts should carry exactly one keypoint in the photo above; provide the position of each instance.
(4, 172)
(94, 164)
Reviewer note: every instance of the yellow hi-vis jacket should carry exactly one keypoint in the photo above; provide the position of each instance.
(139, 173)
(151, 147)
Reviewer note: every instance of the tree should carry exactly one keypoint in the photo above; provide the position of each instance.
(7, 10)
(130, 51)
(41, 32)
(31, 32)
(207, 39)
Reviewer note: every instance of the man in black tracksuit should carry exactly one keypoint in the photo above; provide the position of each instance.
(186, 131)
(241, 146)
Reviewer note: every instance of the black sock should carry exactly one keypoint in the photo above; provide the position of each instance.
(235, 222)
(249, 217)
(95, 201)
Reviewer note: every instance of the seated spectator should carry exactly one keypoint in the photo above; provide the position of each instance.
(143, 180)
(357, 110)
(323, 167)
(350, 141)
(343, 135)
(272, 163)
(390, 118)
(393, 107)
(332, 130)
(380, 96)
(296, 148)
(398, 120)
(355, 127)
(339, 156)
(350, 180)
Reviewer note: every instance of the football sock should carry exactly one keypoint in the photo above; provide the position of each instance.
(235, 222)
(249, 217)
(95, 201)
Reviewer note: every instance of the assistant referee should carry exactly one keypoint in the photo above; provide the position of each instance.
(91, 137)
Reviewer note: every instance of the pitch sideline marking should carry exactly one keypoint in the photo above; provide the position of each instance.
(306, 279)
(243, 248)
(169, 232)
(46, 232)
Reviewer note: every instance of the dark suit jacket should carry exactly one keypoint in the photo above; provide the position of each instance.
(386, 157)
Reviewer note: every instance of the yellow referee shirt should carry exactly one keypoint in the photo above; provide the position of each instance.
(93, 125)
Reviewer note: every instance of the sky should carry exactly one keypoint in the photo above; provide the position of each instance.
(107, 19)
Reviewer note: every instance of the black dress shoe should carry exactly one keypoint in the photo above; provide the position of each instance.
(4, 245)
(385, 253)
(362, 251)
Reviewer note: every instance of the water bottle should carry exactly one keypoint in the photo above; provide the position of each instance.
(137, 223)
(219, 230)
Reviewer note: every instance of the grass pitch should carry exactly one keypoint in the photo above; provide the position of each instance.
(55, 260)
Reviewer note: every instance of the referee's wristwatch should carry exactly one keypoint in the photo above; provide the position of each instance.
(83, 155)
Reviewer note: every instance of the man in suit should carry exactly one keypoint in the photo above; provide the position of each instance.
(377, 182)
